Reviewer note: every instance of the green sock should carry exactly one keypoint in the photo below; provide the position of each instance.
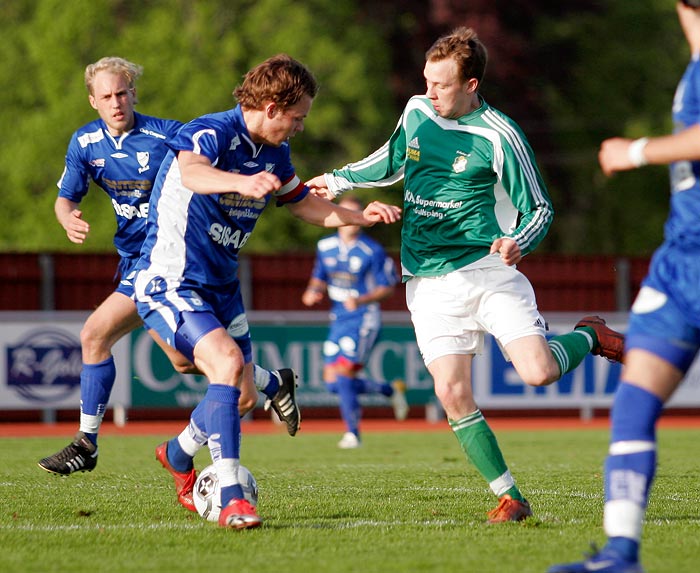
(481, 448)
(570, 349)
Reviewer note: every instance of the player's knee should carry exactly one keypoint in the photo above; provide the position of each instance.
(93, 340)
(540, 376)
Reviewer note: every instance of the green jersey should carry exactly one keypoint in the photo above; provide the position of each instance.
(467, 182)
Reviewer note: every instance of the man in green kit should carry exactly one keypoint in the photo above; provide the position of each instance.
(474, 205)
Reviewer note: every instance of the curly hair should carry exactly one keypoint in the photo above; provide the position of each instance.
(280, 79)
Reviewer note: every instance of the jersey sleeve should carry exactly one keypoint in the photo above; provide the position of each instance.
(522, 182)
(382, 168)
(75, 180)
(201, 138)
(293, 189)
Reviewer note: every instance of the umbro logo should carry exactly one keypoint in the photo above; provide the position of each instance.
(250, 164)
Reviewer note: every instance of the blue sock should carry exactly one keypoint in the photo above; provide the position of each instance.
(177, 457)
(349, 404)
(223, 425)
(630, 466)
(266, 381)
(96, 382)
(181, 461)
(364, 386)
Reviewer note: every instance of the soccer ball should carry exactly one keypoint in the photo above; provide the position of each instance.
(207, 493)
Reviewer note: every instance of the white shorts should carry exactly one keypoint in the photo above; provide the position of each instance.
(450, 313)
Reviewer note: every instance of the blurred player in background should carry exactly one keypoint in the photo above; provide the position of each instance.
(356, 273)
(121, 152)
(663, 337)
(217, 178)
(474, 205)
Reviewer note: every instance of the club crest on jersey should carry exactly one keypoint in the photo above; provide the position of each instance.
(235, 142)
(413, 150)
(269, 167)
(459, 165)
(143, 158)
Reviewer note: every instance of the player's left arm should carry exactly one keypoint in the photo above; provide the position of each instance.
(324, 213)
(523, 182)
(622, 154)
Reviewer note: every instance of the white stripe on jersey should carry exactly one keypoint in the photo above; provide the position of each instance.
(196, 148)
(169, 248)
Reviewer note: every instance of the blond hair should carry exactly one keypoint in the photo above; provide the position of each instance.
(113, 65)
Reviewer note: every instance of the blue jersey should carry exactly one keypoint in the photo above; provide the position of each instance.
(198, 236)
(352, 271)
(665, 317)
(682, 224)
(125, 167)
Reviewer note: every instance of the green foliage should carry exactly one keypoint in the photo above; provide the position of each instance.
(621, 62)
(405, 501)
(194, 54)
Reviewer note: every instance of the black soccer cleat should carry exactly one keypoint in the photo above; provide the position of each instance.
(79, 456)
(284, 403)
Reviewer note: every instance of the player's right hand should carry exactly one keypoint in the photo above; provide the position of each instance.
(76, 229)
(259, 185)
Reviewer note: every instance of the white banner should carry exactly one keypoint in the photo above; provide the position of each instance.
(40, 362)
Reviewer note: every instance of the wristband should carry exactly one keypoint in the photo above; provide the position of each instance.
(635, 152)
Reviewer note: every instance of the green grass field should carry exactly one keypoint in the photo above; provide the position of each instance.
(403, 502)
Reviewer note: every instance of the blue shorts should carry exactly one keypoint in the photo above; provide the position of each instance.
(665, 317)
(126, 274)
(350, 340)
(182, 314)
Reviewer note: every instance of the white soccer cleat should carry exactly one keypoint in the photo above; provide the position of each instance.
(349, 441)
(398, 400)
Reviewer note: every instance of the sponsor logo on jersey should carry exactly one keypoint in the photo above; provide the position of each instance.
(413, 150)
(152, 133)
(228, 237)
(92, 137)
(130, 211)
(143, 157)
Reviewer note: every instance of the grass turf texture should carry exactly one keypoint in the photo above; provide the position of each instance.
(403, 502)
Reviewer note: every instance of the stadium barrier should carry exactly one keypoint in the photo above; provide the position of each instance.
(40, 366)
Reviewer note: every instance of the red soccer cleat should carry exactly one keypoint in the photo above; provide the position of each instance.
(184, 481)
(509, 509)
(239, 514)
(611, 344)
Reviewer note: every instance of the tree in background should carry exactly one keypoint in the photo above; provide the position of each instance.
(570, 73)
(194, 54)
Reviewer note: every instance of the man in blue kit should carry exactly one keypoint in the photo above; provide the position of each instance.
(122, 152)
(356, 273)
(663, 337)
(212, 187)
